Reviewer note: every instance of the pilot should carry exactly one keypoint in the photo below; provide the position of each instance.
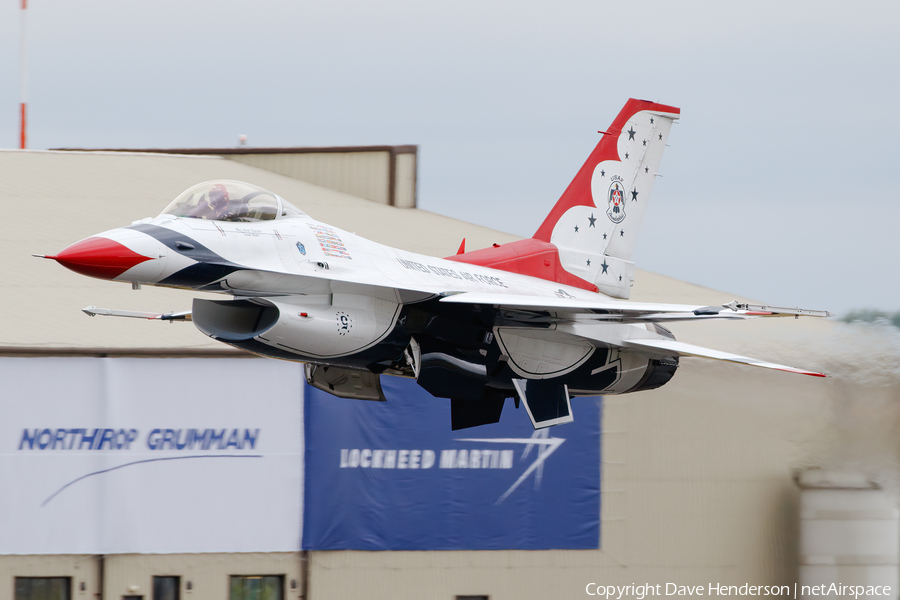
(214, 205)
(218, 201)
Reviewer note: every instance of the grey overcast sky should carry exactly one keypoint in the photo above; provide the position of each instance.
(781, 182)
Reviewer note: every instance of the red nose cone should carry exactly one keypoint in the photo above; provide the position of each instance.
(99, 257)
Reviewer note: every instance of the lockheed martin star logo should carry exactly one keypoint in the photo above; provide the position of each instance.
(545, 447)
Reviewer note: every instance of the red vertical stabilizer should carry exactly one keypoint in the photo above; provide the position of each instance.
(579, 191)
(586, 241)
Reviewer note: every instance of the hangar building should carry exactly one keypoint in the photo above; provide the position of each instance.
(691, 484)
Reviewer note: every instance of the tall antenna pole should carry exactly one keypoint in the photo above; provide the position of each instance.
(22, 71)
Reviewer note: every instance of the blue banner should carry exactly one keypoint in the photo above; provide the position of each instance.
(393, 476)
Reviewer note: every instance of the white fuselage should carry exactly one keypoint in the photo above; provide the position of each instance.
(314, 255)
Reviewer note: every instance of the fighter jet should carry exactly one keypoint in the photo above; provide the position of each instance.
(540, 320)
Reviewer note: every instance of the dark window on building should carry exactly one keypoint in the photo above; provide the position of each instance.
(43, 588)
(132, 598)
(166, 588)
(257, 587)
(472, 598)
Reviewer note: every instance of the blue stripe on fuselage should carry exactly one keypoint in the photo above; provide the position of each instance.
(210, 267)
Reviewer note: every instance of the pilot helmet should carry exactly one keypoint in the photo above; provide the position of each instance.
(218, 195)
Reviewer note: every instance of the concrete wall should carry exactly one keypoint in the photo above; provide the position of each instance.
(82, 569)
(362, 174)
(208, 574)
(405, 174)
(382, 174)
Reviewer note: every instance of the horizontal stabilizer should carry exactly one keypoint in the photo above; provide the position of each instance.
(93, 311)
(667, 347)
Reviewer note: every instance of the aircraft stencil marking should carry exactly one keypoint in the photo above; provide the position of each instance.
(329, 241)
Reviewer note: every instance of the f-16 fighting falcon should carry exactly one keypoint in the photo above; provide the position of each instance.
(540, 320)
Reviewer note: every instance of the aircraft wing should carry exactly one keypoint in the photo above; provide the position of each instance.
(591, 320)
(629, 312)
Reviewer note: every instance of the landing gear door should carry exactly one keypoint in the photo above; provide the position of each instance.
(345, 383)
(546, 401)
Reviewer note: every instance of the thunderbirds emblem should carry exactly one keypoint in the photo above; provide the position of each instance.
(616, 210)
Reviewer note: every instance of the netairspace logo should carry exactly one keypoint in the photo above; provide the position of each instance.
(642, 591)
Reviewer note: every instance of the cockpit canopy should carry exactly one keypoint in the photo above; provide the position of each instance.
(225, 200)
